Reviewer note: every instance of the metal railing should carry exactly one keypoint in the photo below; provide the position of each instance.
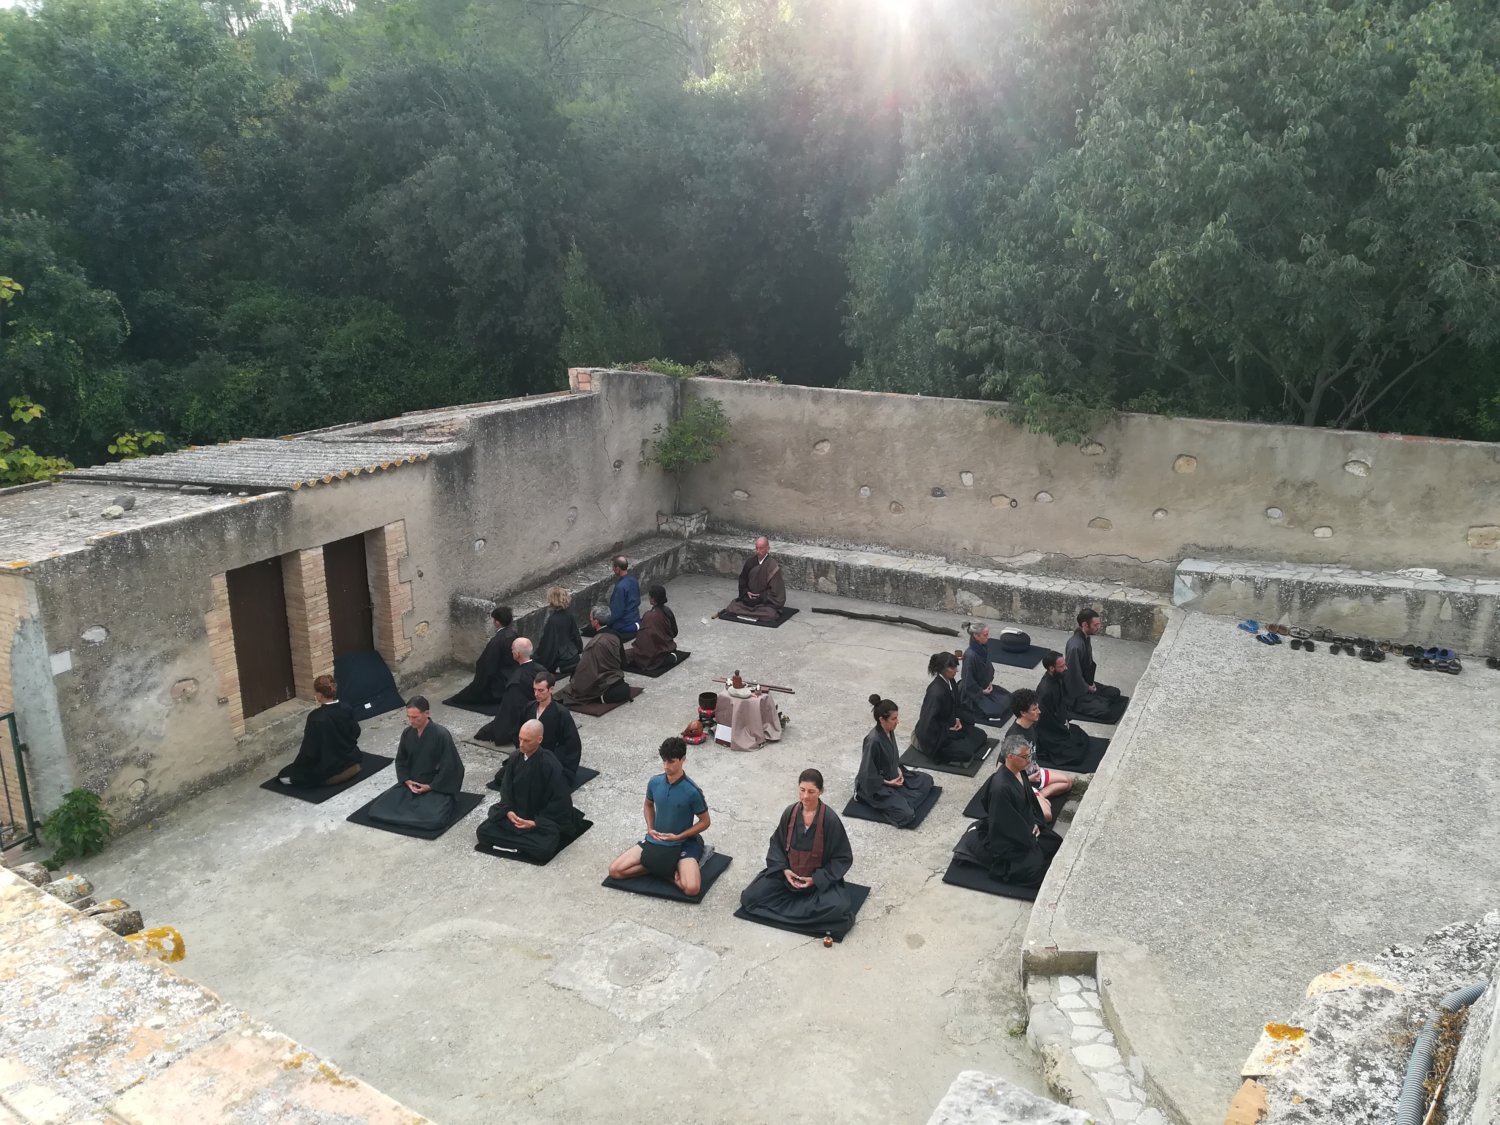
(17, 824)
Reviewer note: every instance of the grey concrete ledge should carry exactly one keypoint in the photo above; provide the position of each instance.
(930, 583)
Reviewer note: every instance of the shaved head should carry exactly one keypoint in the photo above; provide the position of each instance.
(530, 737)
(762, 546)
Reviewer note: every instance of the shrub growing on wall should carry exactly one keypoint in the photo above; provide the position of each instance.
(694, 437)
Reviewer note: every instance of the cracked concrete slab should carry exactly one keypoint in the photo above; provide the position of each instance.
(434, 972)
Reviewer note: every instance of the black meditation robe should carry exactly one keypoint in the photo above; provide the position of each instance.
(1104, 704)
(762, 590)
(561, 644)
(502, 729)
(935, 734)
(330, 745)
(879, 762)
(1013, 841)
(559, 735)
(979, 673)
(821, 851)
(533, 788)
(491, 671)
(1059, 744)
(655, 642)
(430, 758)
(600, 675)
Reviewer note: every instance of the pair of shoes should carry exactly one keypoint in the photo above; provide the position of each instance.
(1301, 634)
(1308, 645)
(1250, 625)
(1373, 655)
(1492, 662)
(1269, 639)
(1451, 666)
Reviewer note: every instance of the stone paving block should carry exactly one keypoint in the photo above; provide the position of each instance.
(976, 1098)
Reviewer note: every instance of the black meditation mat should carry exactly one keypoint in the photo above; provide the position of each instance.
(1027, 658)
(490, 709)
(717, 864)
(856, 811)
(496, 850)
(976, 878)
(596, 710)
(974, 810)
(1098, 744)
(366, 684)
(918, 760)
(761, 621)
(463, 805)
(682, 658)
(580, 779)
(1123, 703)
(1004, 720)
(369, 764)
(857, 895)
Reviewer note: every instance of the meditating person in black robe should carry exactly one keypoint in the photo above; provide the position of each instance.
(881, 784)
(1087, 698)
(943, 733)
(517, 696)
(561, 644)
(1012, 842)
(803, 883)
(600, 675)
(1059, 744)
(429, 774)
(559, 731)
(762, 588)
(534, 817)
(655, 644)
(981, 696)
(1050, 785)
(495, 664)
(330, 742)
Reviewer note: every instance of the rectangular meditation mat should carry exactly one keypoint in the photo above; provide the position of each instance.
(493, 850)
(1002, 723)
(1098, 744)
(1027, 659)
(976, 878)
(582, 778)
(856, 811)
(369, 765)
(682, 658)
(974, 810)
(596, 710)
(664, 888)
(918, 760)
(463, 805)
(786, 612)
(490, 709)
(1125, 699)
(857, 895)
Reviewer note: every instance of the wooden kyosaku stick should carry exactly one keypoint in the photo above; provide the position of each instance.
(768, 687)
(890, 620)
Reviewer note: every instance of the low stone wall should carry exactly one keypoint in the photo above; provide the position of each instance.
(95, 1030)
(1474, 1091)
(926, 583)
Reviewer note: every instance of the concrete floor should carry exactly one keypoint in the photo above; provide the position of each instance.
(1265, 815)
(476, 989)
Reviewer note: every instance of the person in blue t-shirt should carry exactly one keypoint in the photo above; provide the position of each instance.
(624, 602)
(676, 818)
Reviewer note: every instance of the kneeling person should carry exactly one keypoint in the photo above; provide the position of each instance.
(1012, 842)
(676, 818)
(881, 783)
(534, 817)
(330, 742)
(803, 883)
(429, 774)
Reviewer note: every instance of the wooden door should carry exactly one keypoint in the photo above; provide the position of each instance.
(350, 611)
(262, 641)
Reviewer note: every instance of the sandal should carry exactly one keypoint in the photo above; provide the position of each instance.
(1310, 646)
(1250, 625)
(1367, 654)
(1492, 662)
(1281, 630)
(1377, 656)
(1301, 634)
(1322, 634)
(1452, 667)
(1415, 662)
(1269, 639)
(1384, 646)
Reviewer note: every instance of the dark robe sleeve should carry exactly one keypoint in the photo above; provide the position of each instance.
(569, 744)
(447, 766)
(404, 755)
(871, 777)
(1075, 683)
(555, 802)
(838, 856)
(935, 719)
(1008, 834)
(745, 577)
(776, 587)
(1049, 692)
(508, 781)
(776, 858)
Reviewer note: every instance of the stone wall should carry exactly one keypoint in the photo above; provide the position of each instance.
(948, 477)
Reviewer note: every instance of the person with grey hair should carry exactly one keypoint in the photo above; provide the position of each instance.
(600, 675)
(510, 711)
(624, 601)
(534, 818)
(762, 592)
(1012, 841)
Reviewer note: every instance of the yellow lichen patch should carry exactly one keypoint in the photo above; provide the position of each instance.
(1285, 1031)
(1279, 1044)
(332, 1075)
(295, 1062)
(1351, 975)
(162, 942)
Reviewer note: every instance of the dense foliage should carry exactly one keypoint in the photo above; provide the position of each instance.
(219, 219)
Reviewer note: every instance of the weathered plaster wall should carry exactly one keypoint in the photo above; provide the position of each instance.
(946, 477)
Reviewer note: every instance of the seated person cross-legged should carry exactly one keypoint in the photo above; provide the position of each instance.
(943, 734)
(534, 817)
(561, 644)
(803, 882)
(517, 696)
(881, 783)
(495, 664)
(429, 774)
(676, 817)
(600, 675)
(1059, 743)
(559, 731)
(655, 645)
(1087, 698)
(980, 695)
(1050, 785)
(1012, 842)
(330, 742)
(762, 588)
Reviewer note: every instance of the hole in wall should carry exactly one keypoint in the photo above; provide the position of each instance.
(1273, 513)
(478, 545)
(864, 492)
(1356, 467)
(618, 465)
(1185, 463)
(1091, 449)
(1160, 514)
(1099, 523)
(572, 516)
(421, 628)
(966, 479)
(740, 494)
(95, 634)
(1324, 532)
(938, 493)
(897, 508)
(1043, 498)
(1000, 500)
(553, 547)
(822, 447)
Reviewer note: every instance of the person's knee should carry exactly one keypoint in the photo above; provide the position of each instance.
(618, 867)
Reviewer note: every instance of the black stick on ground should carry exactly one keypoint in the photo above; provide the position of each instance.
(943, 629)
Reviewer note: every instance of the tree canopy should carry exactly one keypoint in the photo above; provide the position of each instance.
(220, 219)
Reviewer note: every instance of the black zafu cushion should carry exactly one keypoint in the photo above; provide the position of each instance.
(1014, 640)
